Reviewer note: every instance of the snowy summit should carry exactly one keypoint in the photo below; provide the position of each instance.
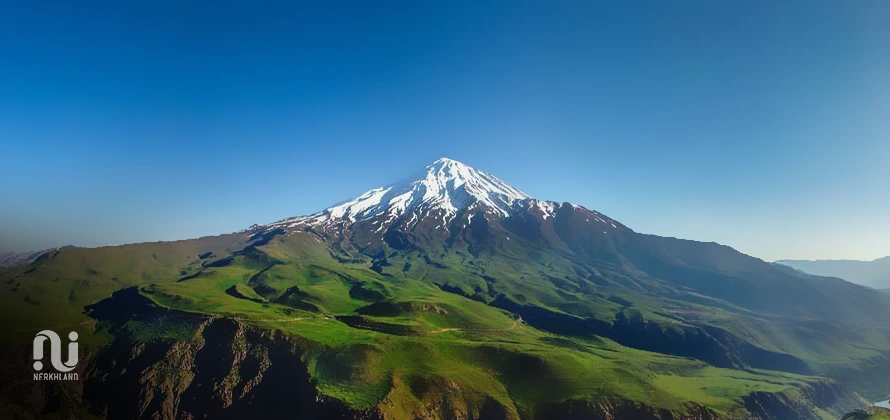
(443, 188)
(445, 194)
(446, 184)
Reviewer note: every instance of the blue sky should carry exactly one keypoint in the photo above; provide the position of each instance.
(763, 126)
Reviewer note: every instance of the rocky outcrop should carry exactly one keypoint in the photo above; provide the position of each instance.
(227, 370)
(224, 369)
(870, 413)
(870, 378)
(826, 397)
(621, 409)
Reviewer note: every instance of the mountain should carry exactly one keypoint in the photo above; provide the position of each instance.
(439, 191)
(9, 259)
(874, 274)
(446, 202)
(449, 294)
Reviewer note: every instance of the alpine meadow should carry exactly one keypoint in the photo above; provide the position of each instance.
(449, 294)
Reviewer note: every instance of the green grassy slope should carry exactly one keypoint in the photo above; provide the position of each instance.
(52, 292)
(409, 341)
(418, 331)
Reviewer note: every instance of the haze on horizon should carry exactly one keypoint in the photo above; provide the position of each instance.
(122, 123)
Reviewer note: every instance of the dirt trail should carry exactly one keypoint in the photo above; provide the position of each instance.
(511, 327)
(245, 319)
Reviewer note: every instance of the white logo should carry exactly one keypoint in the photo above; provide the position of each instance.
(55, 355)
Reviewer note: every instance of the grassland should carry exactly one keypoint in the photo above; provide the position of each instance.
(413, 334)
(460, 343)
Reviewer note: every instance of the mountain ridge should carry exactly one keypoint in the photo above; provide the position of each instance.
(475, 299)
(874, 274)
(10, 259)
(837, 260)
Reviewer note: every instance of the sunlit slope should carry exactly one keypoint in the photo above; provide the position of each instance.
(52, 291)
(398, 341)
(403, 343)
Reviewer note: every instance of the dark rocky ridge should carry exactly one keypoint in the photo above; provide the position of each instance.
(224, 370)
(827, 396)
(618, 409)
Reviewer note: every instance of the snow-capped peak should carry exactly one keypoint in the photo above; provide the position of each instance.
(446, 185)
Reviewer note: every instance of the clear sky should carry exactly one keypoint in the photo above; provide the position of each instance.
(758, 124)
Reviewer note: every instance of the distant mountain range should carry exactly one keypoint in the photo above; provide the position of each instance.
(874, 274)
(449, 294)
(9, 259)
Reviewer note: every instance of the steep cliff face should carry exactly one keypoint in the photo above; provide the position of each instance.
(225, 371)
(618, 409)
(870, 378)
(812, 402)
(222, 369)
